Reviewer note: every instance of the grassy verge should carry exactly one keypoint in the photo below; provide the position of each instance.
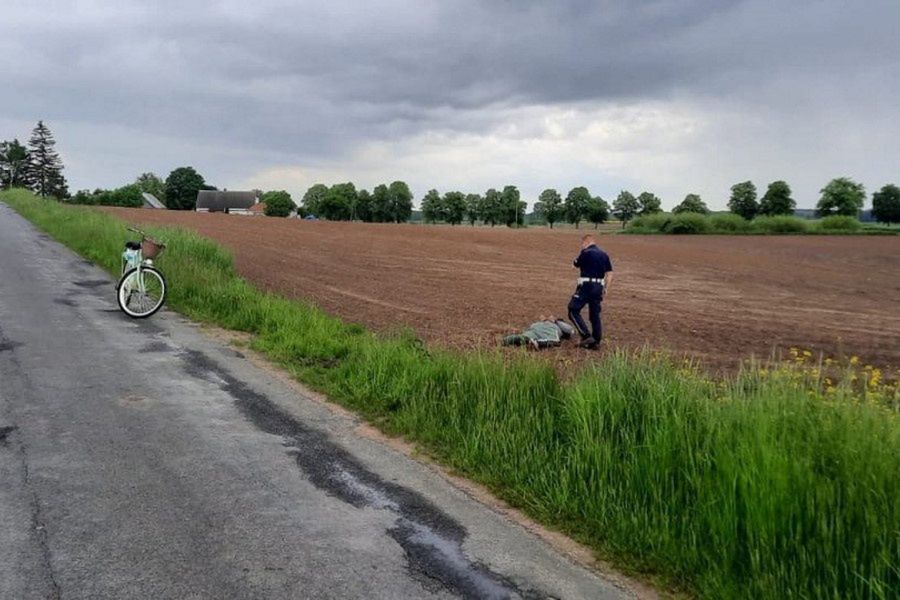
(771, 484)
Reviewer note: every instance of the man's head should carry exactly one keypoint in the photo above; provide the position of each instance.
(587, 240)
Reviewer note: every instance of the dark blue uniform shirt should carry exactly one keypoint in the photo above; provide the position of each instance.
(593, 262)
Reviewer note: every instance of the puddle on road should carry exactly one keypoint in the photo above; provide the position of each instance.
(155, 347)
(6, 344)
(4, 433)
(430, 538)
(9, 345)
(91, 283)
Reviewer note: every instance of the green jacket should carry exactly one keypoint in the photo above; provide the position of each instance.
(541, 334)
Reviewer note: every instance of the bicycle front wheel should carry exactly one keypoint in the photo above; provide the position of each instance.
(141, 292)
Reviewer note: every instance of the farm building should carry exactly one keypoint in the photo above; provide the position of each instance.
(151, 201)
(238, 203)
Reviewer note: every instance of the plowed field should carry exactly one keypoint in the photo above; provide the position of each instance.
(716, 298)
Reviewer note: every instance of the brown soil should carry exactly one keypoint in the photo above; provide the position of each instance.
(717, 298)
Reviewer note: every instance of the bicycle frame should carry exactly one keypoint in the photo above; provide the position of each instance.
(135, 259)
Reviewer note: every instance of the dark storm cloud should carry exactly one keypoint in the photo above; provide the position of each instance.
(312, 79)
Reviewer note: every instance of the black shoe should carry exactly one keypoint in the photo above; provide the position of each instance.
(589, 344)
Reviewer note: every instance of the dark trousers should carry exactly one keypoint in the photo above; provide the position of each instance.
(590, 294)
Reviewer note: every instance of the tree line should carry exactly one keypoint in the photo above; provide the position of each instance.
(178, 191)
(386, 203)
(36, 167)
(580, 205)
(494, 207)
(841, 196)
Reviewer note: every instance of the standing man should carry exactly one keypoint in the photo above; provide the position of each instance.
(596, 275)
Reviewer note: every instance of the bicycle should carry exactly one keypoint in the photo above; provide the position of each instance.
(141, 290)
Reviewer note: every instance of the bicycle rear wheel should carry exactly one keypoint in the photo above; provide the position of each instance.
(141, 292)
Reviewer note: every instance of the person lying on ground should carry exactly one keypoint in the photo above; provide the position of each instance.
(541, 334)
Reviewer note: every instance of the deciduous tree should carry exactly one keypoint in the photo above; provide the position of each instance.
(363, 208)
(432, 207)
(313, 197)
(473, 208)
(886, 204)
(842, 196)
(182, 186)
(400, 202)
(549, 206)
(625, 206)
(777, 200)
(454, 207)
(576, 204)
(597, 211)
(513, 209)
(381, 204)
(278, 203)
(692, 203)
(743, 200)
(649, 203)
(151, 183)
(14, 163)
(491, 207)
(337, 205)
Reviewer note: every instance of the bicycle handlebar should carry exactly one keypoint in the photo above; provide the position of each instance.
(137, 231)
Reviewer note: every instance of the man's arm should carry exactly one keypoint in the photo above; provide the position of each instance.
(607, 278)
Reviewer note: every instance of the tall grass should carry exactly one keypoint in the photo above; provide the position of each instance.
(839, 223)
(780, 224)
(755, 486)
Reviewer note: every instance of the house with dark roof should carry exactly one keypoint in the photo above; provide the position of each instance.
(238, 203)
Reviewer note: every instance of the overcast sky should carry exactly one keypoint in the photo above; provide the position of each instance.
(670, 96)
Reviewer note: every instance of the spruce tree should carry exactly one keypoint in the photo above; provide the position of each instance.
(45, 168)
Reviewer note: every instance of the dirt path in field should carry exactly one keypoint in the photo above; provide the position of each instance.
(716, 298)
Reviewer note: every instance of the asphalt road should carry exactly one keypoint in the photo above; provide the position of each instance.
(141, 459)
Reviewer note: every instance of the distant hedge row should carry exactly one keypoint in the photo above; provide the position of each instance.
(128, 196)
(727, 223)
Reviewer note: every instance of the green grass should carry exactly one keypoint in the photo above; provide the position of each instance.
(755, 486)
(783, 224)
(731, 224)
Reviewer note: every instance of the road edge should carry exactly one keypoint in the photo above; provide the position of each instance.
(567, 547)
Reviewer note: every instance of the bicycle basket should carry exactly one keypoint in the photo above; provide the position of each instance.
(151, 248)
